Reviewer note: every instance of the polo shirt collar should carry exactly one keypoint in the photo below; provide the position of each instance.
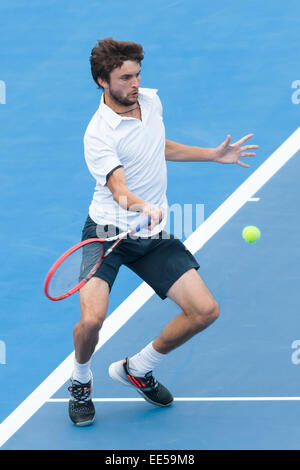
(112, 118)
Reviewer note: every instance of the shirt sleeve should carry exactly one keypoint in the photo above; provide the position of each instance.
(101, 158)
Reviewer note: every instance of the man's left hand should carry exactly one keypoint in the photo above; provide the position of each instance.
(230, 153)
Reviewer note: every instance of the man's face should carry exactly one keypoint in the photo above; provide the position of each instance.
(124, 83)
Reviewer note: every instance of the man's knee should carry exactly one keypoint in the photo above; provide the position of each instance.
(93, 304)
(214, 311)
(205, 315)
(88, 327)
(92, 323)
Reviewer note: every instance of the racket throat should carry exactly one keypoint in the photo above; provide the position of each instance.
(110, 249)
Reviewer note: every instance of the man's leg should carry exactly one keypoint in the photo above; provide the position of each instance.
(94, 298)
(200, 309)
(93, 302)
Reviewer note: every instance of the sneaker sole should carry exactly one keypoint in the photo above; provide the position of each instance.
(84, 423)
(115, 376)
(153, 402)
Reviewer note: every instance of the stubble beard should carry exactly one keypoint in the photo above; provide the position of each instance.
(118, 99)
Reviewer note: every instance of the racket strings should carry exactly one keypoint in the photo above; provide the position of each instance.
(78, 266)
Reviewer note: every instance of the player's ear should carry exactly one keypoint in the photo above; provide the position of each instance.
(102, 83)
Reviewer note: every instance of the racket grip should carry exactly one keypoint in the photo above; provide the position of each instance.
(144, 222)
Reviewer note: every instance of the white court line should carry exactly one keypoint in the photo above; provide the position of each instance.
(254, 199)
(143, 293)
(184, 399)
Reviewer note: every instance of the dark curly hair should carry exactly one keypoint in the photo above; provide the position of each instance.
(109, 54)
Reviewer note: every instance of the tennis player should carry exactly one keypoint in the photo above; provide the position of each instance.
(126, 151)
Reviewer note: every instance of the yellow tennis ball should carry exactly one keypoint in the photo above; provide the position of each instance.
(251, 234)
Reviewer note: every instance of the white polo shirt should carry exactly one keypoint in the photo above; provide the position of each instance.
(138, 146)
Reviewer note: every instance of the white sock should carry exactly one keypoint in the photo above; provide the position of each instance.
(144, 361)
(82, 372)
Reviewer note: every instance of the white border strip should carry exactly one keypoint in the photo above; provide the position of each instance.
(184, 399)
(143, 293)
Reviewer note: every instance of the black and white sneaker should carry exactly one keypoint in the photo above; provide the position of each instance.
(81, 407)
(150, 389)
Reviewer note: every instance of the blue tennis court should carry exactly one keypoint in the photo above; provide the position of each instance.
(218, 69)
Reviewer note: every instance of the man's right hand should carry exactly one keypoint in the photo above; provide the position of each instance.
(154, 213)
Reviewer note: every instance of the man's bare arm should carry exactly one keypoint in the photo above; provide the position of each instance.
(185, 153)
(224, 153)
(121, 194)
(130, 201)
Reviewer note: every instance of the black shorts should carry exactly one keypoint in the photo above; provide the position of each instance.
(159, 260)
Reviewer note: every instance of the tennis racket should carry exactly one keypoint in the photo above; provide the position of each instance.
(78, 264)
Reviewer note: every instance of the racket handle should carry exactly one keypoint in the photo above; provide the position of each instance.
(144, 222)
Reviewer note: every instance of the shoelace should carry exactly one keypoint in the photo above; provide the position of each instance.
(150, 380)
(81, 393)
